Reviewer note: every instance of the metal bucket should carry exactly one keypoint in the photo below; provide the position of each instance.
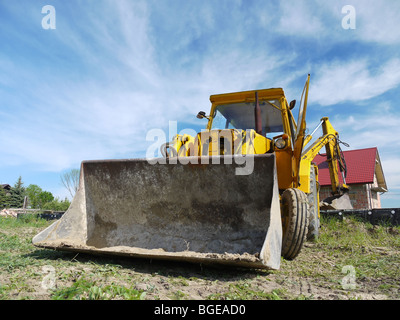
(202, 211)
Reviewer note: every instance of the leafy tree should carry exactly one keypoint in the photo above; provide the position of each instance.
(33, 192)
(57, 205)
(38, 197)
(45, 197)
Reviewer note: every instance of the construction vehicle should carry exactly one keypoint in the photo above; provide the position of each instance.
(237, 193)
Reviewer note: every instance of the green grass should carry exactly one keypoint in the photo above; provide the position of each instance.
(246, 291)
(21, 268)
(29, 220)
(373, 252)
(84, 289)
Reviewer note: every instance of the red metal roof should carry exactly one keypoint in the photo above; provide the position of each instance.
(360, 167)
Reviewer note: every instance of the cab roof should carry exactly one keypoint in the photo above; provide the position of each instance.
(273, 93)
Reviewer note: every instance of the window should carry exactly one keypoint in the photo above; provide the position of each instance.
(241, 116)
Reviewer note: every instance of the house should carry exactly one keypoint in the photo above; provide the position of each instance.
(6, 188)
(364, 177)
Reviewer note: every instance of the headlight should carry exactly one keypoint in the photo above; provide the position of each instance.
(280, 143)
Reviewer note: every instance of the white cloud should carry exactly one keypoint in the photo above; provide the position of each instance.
(117, 88)
(339, 81)
(377, 126)
(391, 170)
(301, 18)
(239, 70)
(377, 21)
(93, 87)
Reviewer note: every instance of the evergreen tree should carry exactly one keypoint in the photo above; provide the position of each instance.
(4, 199)
(17, 194)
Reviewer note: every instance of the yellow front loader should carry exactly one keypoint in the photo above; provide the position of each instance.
(236, 193)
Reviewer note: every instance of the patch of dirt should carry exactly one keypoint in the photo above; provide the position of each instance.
(167, 280)
(173, 280)
(315, 274)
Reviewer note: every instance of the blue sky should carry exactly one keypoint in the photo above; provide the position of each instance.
(112, 70)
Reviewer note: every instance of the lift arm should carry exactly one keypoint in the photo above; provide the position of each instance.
(330, 140)
(299, 141)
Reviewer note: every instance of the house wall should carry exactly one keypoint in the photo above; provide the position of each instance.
(361, 196)
(376, 198)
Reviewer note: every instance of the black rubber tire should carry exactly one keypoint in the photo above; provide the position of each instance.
(313, 206)
(294, 222)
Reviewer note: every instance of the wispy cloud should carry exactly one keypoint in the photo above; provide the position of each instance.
(340, 81)
(111, 71)
(369, 129)
(299, 18)
(118, 86)
(322, 19)
(376, 21)
(376, 128)
(391, 169)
